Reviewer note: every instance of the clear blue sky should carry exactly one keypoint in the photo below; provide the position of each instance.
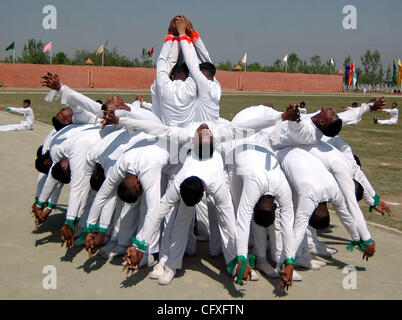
(265, 29)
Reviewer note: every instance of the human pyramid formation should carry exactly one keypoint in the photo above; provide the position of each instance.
(143, 177)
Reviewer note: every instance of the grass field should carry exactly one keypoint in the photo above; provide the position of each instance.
(378, 146)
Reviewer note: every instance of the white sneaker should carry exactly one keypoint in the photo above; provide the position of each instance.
(307, 261)
(295, 276)
(158, 270)
(167, 276)
(266, 268)
(332, 250)
(254, 276)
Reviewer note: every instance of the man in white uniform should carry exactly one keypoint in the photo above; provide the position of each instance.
(393, 112)
(25, 124)
(313, 186)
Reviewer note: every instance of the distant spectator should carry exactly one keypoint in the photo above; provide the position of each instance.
(28, 121)
(394, 113)
(302, 107)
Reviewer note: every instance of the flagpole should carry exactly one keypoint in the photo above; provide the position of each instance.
(103, 52)
(14, 55)
(51, 56)
(286, 66)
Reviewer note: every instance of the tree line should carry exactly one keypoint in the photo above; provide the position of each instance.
(372, 71)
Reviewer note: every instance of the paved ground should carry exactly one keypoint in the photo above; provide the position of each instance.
(24, 254)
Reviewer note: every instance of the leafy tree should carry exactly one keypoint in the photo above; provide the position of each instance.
(33, 53)
(373, 72)
(60, 58)
(227, 65)
(255, 66)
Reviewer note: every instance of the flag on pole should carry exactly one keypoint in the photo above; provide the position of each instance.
(150, 52)
(244, 60)
(394, 75)
(351, 71)
(101, 49)
(347, 68)
(285, 58)
(332, 62)
(399, 72)
(11, 46)
(47, 47)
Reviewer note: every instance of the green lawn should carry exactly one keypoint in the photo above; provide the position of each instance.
(378, 146)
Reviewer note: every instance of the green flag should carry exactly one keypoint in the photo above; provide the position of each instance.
(394, 75)
(11, 46)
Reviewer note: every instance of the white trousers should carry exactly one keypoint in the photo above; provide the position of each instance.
(386, 122)
(16, 127)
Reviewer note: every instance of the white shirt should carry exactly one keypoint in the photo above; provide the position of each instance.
(28, 114)
(292, 133)
(75, 149)
(312, 184)
(144, 162)
(175, 100)
(208, 92)
(261, 175)
(257, 117)
(354, 115)
(394, 113)
(211, 173)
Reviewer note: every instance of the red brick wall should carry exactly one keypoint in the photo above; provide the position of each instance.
(28, 75)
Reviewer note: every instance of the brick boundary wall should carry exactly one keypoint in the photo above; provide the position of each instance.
(28, 75)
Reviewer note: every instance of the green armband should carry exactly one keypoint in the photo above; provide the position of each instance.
(376, 202)
(102, 230)
(243, 265)
(85, 231)
(288, 261)
(9, 109)
(231, 265)
(40, 204)
(70, 223)
(352, 245)
(51, 206)
(141, 245)
(364, 244)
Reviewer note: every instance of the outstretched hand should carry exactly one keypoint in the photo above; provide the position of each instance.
(67, 236)
(41, 216)
(292, 113)
(379, 103)
(286, 277)
(94, 240)
(132, 258)
(369, 252)
(247, 272)
(383, 207)
(109, 117)
(51, 81)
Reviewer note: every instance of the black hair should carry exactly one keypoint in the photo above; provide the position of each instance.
(97, 177)
(27, 101)
(178, 68)
(359, 190)
(99, 101)
(354, 104)
(127, 194)
(39, 151)
(191, 191)
(209, 67)
(395, 103)
(357, 160)
(57, 124)
(64, 176)
(319, 221)
(264, 216)
(43, 162)
(302, 103)
(332, 129)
